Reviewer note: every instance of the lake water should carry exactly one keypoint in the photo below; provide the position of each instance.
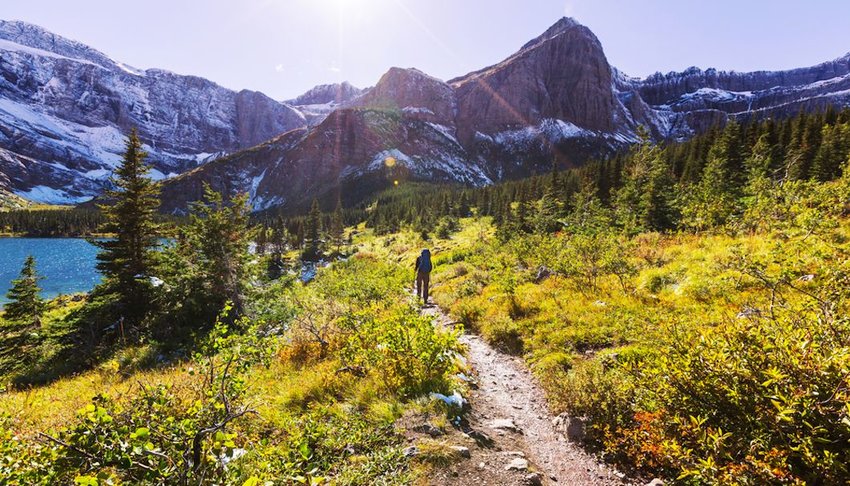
(67, 263)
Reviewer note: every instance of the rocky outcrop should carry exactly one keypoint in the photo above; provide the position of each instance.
(353, 153)
(320, 101)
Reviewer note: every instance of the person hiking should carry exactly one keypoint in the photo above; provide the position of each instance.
(423, 275)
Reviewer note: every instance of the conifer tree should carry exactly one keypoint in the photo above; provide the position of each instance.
(209, 263)
(644, 203)
(757, 200)
(710, 202)
(25, 302)
(835, 142)
(336, 232)
(127, 260)
(547, 217)
(727, 148)
(313, 234)
(588, 215)
(220, 233)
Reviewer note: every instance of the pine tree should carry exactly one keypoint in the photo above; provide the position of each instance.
(313, 234)
(758, 201)
(835, 142)
(209, 262)
(221, 234)
(25, 302)
(645, 203)
(804, 146)
(728, 148)
(589, 215)
(336, 232)
(710, 202)
(547, 217)
(127, 260)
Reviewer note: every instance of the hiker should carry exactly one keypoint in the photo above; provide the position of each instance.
(423, 275)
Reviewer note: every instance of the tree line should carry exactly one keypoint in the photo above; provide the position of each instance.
(705, 182)
(51, 222)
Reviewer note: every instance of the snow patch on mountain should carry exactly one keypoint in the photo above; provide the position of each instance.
(445, 131)
(255, 183)
(10, 46)
(50, 195)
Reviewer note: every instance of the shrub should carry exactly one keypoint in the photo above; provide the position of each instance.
(469, 313)
(503, 333)
(407, 353)
(556, 361)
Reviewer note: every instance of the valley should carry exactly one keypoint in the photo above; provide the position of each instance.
(633, 281)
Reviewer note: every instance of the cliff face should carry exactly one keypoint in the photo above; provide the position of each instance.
(699, 98)
(65, 109)
(661, 89)
(562, 74)
(413, 92)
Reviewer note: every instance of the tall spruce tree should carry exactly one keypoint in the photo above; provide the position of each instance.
(758, 201)
(336, 232)
(218, 235)
(710, 202)
(313, 234)
(645, 202)
(25, 302)
(127, 260)
(835, 142)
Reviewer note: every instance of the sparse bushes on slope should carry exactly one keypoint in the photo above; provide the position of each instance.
(253, 406)
(710, 360)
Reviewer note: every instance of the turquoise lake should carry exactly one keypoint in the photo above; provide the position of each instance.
(67, 263)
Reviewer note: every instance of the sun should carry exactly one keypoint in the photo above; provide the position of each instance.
(352, 9)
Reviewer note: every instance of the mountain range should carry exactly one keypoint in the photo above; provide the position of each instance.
(65, 109)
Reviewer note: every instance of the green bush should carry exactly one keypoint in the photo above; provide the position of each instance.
(408, 354)
(503, 333)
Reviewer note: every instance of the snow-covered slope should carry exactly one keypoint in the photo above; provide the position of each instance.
(317, 103)
(66, 108)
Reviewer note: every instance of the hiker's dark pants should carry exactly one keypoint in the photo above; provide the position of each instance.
(422, 281)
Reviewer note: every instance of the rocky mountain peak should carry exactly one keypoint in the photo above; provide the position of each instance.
(413, 92)
(563, 25)
(562, 74)
(36, 37)
(337, 93)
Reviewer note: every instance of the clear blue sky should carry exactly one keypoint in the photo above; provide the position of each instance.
(284, 47)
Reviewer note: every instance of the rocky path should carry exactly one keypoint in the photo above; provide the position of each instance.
(518, 439)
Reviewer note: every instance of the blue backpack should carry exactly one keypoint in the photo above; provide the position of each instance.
(425, 261)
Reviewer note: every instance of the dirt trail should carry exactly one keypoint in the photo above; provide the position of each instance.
(508, 392)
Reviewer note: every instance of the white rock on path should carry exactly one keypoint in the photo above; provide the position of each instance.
(518, 464)
(504, 424)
